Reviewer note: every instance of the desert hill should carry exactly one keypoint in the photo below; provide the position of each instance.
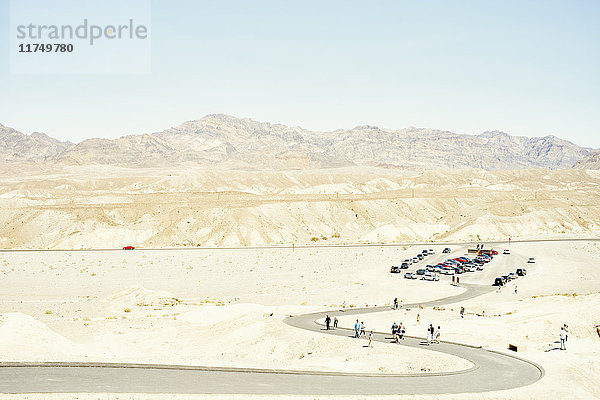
(590, 162)
(104, 206)
(232, 143)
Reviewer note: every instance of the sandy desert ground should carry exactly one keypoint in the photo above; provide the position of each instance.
(225, 307)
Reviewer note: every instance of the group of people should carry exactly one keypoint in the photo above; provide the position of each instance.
(360, 330)
(398, 332)
(397, 304)
(328, 322)
(433, 335)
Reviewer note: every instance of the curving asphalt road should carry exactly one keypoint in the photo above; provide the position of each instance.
(491, 371)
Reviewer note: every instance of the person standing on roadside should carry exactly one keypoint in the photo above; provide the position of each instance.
(418, 319)
(395, 303)
(356, 329)
(429, 334)
(371, 339)
(327, 321)
(437, 335)
(335, 322)
(563, 338)
(515, 289)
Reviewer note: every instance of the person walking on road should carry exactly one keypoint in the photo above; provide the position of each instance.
(462, 312)
(515, 289)
(327, 321)
(335, 322)
(371, 339)
(356, 329)
(418, 319)
(395, 303)
(437, 335)
(362, 328)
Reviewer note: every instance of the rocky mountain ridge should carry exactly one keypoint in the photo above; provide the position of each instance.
(229, 142)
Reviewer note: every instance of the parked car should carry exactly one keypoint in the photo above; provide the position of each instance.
(430, 252)
(430, 277)
(512, 276)
(415, 260)
(408, 261)
(494, 252)
(128, 248)
(410, 275)
(498, 282)
(531, 260)
(431, 268)
(446, 250)
(404, 265)
(521, 271)
(505, 278)
(506, 251)
(421, 271)
(425, 252)
(447, 271)
(420, 256)
(395, 269)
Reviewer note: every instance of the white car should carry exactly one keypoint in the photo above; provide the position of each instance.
(430, 277)
(447, 271)
(506, 251)
(531, 260)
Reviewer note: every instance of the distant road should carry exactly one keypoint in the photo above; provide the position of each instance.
(317, 246)
(491, 371)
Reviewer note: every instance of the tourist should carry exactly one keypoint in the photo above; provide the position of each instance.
(394, 328)
(371, 339)
(437, 335)
(462, 312)
(430, 334)
(418, 319)
(335, 322)
(327, 321)
(563, 338)
(356, 329)
(362, 328)
(395, 303)
(515, 289)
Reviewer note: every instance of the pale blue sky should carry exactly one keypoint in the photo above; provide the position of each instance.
(524, 67)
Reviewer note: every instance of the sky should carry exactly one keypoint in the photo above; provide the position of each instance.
(523, 67)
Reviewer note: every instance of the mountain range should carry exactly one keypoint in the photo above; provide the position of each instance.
(228, 142)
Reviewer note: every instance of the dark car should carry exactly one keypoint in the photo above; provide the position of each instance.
(420, 256)
(421, 271)
(521, 271)
(128, 248)
(404, 265)
(498, 282)
(446, 250)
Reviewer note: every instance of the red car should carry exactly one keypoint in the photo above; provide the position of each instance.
(128, 248)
